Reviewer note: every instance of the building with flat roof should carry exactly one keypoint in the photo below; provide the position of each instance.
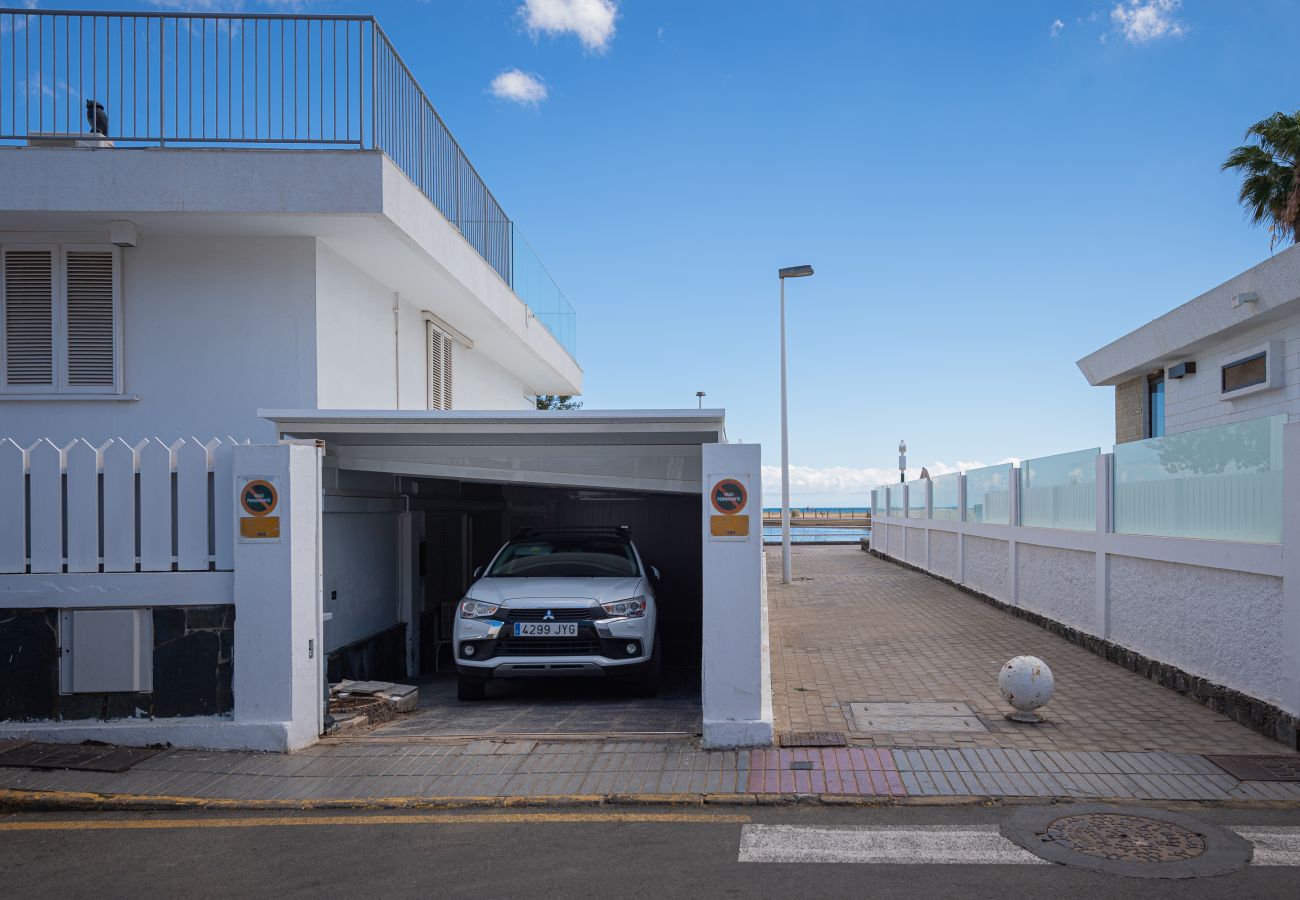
(1230, 355)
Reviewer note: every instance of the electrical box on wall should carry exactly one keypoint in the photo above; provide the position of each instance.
(105, 651)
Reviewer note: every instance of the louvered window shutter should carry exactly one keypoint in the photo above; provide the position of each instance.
(439, 369)
(28, 319)
(90, 319)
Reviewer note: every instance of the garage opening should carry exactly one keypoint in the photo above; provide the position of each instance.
(401, 545)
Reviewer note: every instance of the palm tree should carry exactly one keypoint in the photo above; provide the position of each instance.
(1270, 169)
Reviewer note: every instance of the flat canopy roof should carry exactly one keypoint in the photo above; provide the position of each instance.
(639, 450)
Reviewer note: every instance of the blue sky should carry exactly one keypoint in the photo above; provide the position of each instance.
(988, 191)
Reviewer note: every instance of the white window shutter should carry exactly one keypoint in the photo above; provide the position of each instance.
(28, 319)
(439, 368)
(91, 314)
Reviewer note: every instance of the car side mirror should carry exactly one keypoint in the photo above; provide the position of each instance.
(477, 573)
(654, 574)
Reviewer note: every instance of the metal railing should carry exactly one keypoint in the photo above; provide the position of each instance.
(263, 80)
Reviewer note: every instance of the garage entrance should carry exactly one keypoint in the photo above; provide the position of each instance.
(415, 502)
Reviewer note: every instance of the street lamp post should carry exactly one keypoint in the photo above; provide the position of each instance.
(786, 574)
(699, 399)
(902, 462)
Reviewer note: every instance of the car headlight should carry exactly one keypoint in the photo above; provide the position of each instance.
(477, 609)
(633, 607)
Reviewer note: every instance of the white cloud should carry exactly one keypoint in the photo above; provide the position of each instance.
(1057, 27)
(1143, 21)
(591, 20)
(519, 87)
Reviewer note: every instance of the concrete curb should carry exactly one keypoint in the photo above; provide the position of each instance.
(17, 800)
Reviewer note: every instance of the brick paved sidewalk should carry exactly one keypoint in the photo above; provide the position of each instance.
(368, 772)
(854, 628)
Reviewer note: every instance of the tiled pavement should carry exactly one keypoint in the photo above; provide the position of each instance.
(860, 630)
(362, 772)
(854, 628)
(577, 707)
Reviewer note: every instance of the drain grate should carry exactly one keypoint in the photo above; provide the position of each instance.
(88, 757)
(1259, 768)
(814, 739)
(1123, 837)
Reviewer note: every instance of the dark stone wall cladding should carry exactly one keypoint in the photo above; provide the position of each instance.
(193, 665)
(1269, 720)
(380, 657)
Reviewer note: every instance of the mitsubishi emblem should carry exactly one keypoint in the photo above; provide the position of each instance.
(549, 617)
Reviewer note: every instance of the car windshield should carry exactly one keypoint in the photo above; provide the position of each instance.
(565, 558)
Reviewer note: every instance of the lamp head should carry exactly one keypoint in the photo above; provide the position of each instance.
(795, 271)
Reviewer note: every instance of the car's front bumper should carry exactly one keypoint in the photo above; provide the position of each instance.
(619, 646)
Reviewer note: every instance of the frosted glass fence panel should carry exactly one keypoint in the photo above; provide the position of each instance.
(988, 495)
(1060, 491)
(895, 501)
(943, 498)
(1221, 483)
(916, 499)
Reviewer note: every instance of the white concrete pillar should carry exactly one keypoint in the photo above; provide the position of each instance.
(1105, 498)
(961, 535)
(277, 650)
(1290, 700)
(737, 677)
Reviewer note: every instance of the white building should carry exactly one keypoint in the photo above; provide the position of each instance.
(1230, 355)
(320, 265)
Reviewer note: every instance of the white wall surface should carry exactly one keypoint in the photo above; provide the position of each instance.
(1221, 625)
(1057, 583)
(1195, 401)
(213, 330)
(361, 566)
(480, 383)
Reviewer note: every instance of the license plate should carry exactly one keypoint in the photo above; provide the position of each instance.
(546, 629)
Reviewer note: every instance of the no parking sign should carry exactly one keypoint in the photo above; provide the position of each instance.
(729, 496)
(258, 498)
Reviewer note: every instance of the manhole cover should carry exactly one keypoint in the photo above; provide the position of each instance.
(1136, 838)
(1140, 843)
(1259, 768)
(814, 739)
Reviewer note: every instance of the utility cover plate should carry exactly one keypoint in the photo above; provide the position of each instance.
(1259, 768)
(814, 739)
(901, 718)
(87, 757)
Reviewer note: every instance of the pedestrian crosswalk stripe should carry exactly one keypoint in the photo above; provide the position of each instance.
(946, 844)
(980, 844)
(1275, 846)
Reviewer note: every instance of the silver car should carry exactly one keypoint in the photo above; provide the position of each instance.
(560, 603)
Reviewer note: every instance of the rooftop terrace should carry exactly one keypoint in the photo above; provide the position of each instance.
(266, 81)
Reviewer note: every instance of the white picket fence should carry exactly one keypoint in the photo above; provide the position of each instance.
(146, 507)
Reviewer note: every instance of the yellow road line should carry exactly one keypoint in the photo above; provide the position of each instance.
(539, 818)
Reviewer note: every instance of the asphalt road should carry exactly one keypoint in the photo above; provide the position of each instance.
(623, 852)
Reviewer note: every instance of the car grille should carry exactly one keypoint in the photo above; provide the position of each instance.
(560, 615)
(548, 647)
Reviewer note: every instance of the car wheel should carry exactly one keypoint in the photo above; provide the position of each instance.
(647, 683)
(470, 688)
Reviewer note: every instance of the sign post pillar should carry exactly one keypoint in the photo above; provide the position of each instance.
(737, 682)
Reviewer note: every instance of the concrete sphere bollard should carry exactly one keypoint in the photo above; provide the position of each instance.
(1027, 683)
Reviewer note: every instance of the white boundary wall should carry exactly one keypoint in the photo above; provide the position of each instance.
(274, 585)
(1225, 611)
